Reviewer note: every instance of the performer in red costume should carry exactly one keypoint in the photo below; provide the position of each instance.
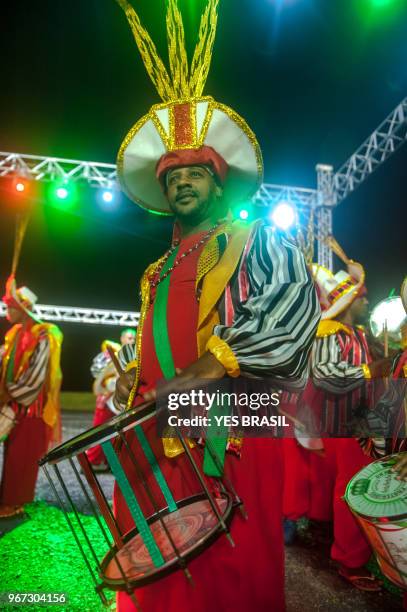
(341, 366)
(30, 379)
(105, 376)
(225, 299)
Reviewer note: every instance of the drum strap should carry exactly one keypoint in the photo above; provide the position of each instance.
(160, 327)
(159, 476)
(216, 436)
(133, 505)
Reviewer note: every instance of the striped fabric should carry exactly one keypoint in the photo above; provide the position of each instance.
(336, 369)
(99, 363)
(337, 360)
(26, 390)
(270, 311)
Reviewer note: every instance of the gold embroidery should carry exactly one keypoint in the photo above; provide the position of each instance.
(207, 259)
(145, 302)
(207, 120)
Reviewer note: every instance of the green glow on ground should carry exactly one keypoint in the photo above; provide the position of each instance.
(41, 555)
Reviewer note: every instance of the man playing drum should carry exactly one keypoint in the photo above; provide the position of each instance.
(30, 379)
(225, 299)
(341, 365)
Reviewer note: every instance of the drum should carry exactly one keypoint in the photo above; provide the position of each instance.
(7, 421)
(379, 502)
(175, 512)
(389, 315)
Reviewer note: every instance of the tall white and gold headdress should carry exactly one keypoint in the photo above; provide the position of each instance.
(187, 127)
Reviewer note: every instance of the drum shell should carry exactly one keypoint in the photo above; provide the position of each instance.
(376, 489)
(389, 542)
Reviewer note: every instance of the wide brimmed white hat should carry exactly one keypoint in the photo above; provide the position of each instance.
(338, 291)
(205, 123)
(20, 297)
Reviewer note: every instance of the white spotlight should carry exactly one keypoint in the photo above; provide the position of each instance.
(107, 196)
(283, 216)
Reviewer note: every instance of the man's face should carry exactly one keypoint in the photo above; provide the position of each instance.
(14, 315)
(192, 193)
(359, 309)
(127, 338)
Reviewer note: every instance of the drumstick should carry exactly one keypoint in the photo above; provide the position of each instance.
(116, 362)
(386, 338)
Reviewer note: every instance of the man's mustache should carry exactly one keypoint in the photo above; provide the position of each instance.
(184, 193)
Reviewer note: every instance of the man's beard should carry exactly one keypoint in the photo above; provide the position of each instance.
(195, 215)
(362, 318)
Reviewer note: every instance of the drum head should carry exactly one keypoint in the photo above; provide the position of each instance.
(375, 491)
(97, 435)
(389, 312)
(192, 528)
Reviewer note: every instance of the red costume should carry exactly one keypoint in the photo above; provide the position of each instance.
(31, 376)
(316, 483)
(258, 555)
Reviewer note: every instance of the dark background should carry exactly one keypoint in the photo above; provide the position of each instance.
(312, 78)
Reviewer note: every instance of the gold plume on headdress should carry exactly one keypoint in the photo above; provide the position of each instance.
(337, 249)
(181, 83)
(21, 228)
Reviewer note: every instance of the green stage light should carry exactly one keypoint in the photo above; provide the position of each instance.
(380, 3)
(62, 193)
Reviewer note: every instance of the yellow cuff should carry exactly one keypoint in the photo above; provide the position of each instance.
(224, 354)
(366, 371)
(131, 365)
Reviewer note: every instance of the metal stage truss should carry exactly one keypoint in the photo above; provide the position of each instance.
(332, 189)
(93, 316)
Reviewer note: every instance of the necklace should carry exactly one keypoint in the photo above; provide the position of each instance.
(176, 263)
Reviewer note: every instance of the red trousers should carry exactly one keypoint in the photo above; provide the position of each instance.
(308, 483)
(345, 458)
(101, 415)
(26, 444)
(314, 486)
(249, 576)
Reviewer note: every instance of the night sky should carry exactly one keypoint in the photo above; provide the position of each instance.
(313, 78)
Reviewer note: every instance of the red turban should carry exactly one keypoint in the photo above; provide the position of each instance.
(204, 156)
